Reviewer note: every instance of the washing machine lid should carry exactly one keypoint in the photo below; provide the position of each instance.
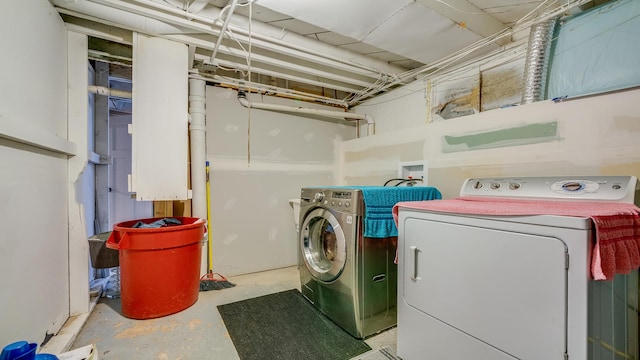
(323, 244)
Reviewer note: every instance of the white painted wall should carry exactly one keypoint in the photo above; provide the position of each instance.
(400, 116)
(33, 202)
(596, 136)
(81, 180)
(399, 109)
(252, 222)
(374, 159)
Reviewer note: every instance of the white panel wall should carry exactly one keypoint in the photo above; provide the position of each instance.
(33, 202)
(160, 119)
(81, 175)
(596, 136)
(399, 109)
(252, 226)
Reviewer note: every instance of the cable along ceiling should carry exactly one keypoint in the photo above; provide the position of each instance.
(296, 65)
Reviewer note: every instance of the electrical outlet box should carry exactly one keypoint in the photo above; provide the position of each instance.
(413, 170)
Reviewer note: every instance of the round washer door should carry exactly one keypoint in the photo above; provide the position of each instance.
(323, 245)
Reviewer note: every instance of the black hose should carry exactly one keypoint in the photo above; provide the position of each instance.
(401, 181)
(390, 180)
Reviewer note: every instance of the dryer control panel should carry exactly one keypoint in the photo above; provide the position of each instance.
(582, 188)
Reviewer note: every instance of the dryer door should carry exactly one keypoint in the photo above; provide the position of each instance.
(486, 293)
(323, 245)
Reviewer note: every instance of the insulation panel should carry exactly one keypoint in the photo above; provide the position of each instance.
(159, 119)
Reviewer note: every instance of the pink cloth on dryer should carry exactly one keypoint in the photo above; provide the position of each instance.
(617, 225)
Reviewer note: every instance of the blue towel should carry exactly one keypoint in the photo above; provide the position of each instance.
(157, 223)
(379, 202)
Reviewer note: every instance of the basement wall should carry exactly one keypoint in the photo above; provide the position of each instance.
(252, 221)
(34, 252)
(587, 136)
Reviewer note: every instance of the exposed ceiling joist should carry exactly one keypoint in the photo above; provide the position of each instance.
(468, 16)
(333, 51)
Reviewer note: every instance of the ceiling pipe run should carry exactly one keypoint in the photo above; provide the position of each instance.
(244, 101)
(102, 90)
(161, 19)
(170, 16)
(270, 90)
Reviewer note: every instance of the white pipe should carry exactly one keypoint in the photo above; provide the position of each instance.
(244, 101)
(350, 82)
(355, 62)
(232, 8)
(277, 35)
(198, 147)
(268, 89)
(112, 16)
(102, 90)
(170, 25)
(341, 86)
(197, 132)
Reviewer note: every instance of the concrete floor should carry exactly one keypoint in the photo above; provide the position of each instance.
(194, 333)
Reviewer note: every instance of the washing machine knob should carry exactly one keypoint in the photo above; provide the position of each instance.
(319, 197)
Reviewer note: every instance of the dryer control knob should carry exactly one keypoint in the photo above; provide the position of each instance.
(319, 197)
(514, 186)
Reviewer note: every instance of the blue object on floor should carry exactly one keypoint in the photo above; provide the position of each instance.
(22, 350)
(16, 349)
(46, 357)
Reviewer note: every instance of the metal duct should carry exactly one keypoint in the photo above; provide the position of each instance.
(535, 69)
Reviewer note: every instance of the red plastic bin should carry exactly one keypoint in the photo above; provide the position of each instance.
(159, 267)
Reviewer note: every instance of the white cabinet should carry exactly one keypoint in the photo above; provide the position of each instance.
(160, 124)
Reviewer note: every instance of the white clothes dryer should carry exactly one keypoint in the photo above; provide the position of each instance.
(490, 287)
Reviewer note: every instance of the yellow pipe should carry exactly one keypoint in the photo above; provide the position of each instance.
(209, 244)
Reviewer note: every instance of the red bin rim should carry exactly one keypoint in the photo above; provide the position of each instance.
(186, 223)
(126, 237)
